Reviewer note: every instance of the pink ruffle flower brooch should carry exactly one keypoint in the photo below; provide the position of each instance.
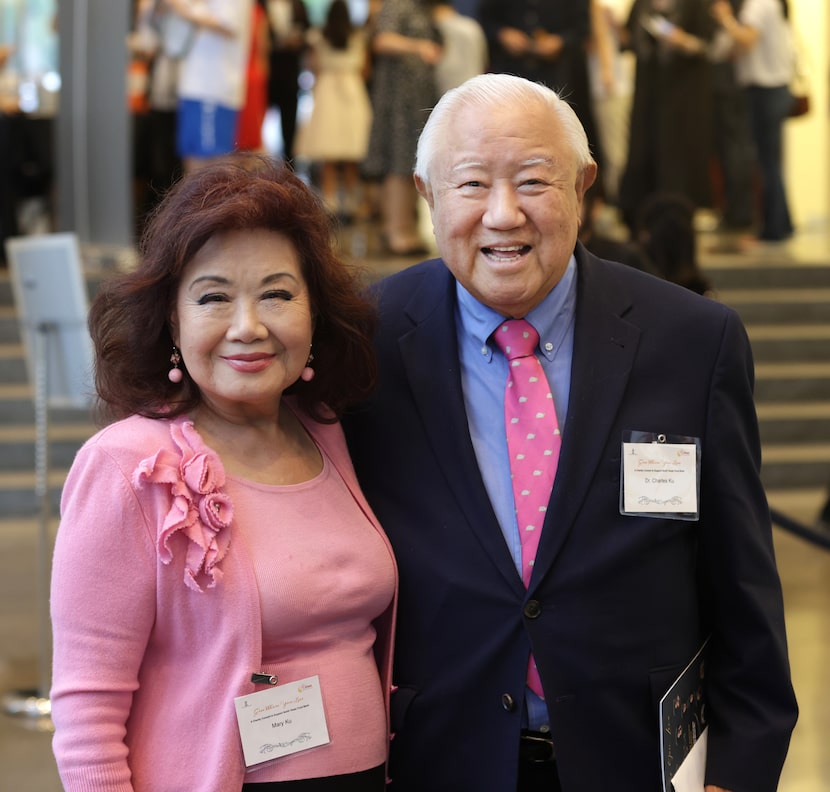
(199, 508)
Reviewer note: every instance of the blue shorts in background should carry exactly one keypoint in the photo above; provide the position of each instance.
(205, 129)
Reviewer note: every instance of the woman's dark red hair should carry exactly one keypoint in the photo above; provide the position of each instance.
(129, 318)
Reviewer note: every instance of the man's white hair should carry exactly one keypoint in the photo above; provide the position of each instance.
(496, 91)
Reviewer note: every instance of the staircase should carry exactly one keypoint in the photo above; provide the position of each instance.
(785, 305)
(68, 427)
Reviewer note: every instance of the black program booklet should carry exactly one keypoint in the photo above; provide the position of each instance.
(683, 720)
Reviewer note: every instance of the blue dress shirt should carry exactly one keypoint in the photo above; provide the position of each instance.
(483, 377)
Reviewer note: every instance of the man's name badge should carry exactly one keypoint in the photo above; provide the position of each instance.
(660, 478)
(281, 721)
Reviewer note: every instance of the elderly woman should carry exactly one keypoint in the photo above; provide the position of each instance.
(222, 595)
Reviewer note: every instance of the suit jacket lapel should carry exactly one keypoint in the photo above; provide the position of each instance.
(430, 356)
(604, 348)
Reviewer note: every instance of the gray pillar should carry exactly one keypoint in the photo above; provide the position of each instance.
(93, 133)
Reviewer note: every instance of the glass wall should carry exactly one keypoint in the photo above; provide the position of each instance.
(29, 29)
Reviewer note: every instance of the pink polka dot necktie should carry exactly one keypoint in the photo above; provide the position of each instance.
(533, 442)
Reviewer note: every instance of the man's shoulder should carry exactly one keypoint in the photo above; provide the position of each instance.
(639, 294)
(616, 274)
(429, 276)
(423, 269)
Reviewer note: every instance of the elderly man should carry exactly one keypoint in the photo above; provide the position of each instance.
(539, 626)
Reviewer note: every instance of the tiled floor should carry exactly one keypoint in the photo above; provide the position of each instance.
(805, 575)
(26, 763)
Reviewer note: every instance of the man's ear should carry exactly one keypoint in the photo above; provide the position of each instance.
(424, 188)
(587, 177)
(584, 181)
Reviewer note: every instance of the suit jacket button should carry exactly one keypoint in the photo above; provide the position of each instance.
(507, 702)
(533, 609)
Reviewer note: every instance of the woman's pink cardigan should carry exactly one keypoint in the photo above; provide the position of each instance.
(146, 665)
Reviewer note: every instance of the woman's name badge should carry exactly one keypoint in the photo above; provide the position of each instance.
(281, 721)
(661, 479)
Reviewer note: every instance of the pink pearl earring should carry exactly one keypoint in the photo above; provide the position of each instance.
(307, 374)
(175, 373)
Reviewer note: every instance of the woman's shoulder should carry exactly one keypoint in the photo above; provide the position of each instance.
(131, 438)
(132, 427)
(117, 451)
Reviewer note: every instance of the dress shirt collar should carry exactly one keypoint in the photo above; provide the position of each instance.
(551, 317)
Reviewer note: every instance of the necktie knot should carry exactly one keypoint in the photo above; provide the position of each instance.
(516, 338)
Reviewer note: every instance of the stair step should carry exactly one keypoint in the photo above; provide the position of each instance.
(798, 332)
(790, 342)
(12, 362)
(771, 306)
(799, 503)
(18, 497)
(18, 449)
(788, 422)
(787, 465)
(744, 273)
(9, 327)
(792, 381)
(17, 407)
(793, 410)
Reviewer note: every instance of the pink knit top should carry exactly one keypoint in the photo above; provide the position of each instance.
(172, 584)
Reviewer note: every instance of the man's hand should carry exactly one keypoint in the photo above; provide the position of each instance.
(548, 46)
(514, 41)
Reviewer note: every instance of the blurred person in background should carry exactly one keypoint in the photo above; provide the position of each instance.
(611, 85)
(289, 24)
(406, 48)
(765, 67)
(666, 233)
(252, 114)
(546, 41)
(464, 47)
(336, 134)
(734, 147)
(8, 199)
(212, 77)
(153, 102)
(670, 132)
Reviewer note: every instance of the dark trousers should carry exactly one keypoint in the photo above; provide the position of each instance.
(8, 191)
(373, 780)
(734, 148)
(537, 764)
(538, 778)
(283, 92)
(768, 111)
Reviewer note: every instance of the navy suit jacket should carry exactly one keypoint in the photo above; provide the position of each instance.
(617, 604)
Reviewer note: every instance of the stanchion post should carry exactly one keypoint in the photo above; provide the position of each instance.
(35, 704)
(51, 298)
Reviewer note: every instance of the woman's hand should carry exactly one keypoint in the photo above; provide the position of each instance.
(429, 51)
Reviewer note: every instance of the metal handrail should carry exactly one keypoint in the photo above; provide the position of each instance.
(813, 535)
